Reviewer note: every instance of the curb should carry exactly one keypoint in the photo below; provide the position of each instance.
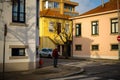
(75, 73)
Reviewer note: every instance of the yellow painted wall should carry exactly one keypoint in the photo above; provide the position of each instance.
(47, 38)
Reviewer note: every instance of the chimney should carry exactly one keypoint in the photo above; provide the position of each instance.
(102, 3)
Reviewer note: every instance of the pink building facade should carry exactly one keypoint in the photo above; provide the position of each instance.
(95, 33)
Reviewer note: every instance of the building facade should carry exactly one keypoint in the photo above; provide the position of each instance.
(21, 39)
(95, 32)
(55, 25)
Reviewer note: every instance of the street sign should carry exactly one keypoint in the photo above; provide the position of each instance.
(118, 38)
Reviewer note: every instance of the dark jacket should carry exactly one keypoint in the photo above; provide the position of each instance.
(55, 53)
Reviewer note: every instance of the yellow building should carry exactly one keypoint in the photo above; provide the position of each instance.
(55, 25)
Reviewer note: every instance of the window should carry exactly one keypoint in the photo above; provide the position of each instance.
(18, 11)
(94, 27)
(95, 47)
(18, 51)
(67, 28)
(68, 7)
(78, 47)
(56, 5)
(78, 30)
(114, 47)
(51, 26)
(50, 4)
(114, 25)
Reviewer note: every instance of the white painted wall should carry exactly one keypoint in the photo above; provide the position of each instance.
(19, 35)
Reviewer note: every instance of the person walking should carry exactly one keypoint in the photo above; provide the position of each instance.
(55, 57)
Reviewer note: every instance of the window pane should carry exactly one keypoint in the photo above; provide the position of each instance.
(50, 4)
(21, 17)
(18, 14)
(21, 52)
(117, 27)
(93, 30)
(15, 16)
(95, 27)
(95, 47)
(114, 47)
(56, 4)
(15, 7)
(67, 28)
(78, 30)
(78, 47)
(114, 25)
(51, 26)
(18, 51)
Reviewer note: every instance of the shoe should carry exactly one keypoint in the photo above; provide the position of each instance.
(55, 66)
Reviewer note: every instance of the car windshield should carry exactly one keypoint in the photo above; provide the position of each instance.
(50, 50)
(45, 50)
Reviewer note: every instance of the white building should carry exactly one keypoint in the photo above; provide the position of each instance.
(22, 37)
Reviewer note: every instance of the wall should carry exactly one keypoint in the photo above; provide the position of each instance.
(104, 39)
(48, 38)
(19, 34)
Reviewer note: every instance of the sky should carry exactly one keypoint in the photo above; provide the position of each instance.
(86, 5)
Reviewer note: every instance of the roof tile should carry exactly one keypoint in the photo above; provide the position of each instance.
(51, 13)
(109, 6)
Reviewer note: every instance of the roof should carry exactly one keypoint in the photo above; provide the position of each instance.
(54, 14)
(109, 6)
(71, 3)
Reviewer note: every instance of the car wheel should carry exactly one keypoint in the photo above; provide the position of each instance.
(40, 55)
(49, 55)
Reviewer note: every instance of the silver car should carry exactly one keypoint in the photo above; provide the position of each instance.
(46, 52)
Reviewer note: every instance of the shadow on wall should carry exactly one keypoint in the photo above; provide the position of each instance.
(48, 42)
(26, 35)
(85, 46)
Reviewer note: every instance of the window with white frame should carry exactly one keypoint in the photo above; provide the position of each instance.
(51, 4)
(78, 30)
(94, 27)
(114, 25)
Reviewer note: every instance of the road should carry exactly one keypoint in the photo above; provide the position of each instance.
(94, 69)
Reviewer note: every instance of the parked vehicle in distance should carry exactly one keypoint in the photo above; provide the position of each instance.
(46, 52)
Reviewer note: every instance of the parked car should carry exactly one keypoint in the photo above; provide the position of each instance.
(46, 52)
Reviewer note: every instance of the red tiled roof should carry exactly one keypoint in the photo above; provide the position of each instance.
(54, 14)
(109, 6)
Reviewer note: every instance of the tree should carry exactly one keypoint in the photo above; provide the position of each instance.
(65, 36)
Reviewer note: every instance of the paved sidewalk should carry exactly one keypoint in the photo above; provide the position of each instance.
(44, 73)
